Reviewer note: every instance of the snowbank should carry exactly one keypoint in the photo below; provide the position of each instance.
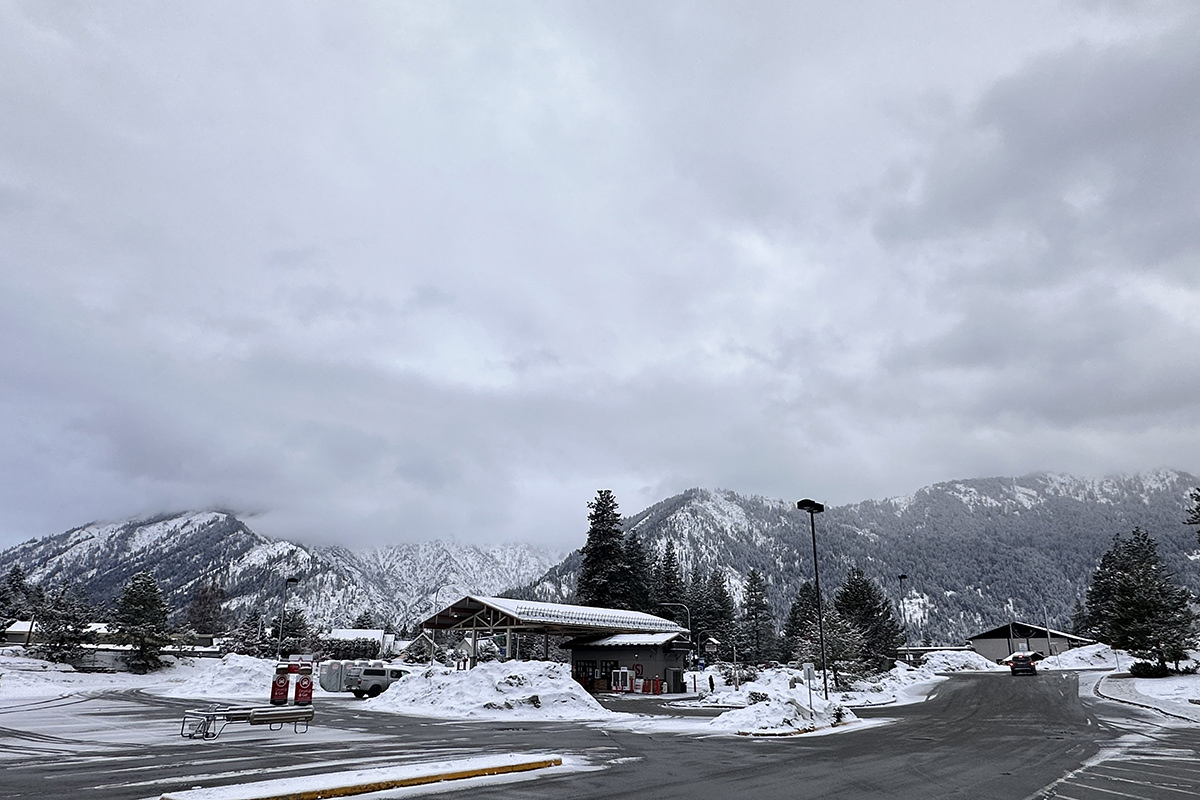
(784, 713)
(497, 689)
(960, 661)
(900, 685)
(1093, 656)
(21, 676)
(233, 677)
(776, 702)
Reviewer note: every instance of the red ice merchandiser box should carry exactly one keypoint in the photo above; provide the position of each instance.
(279, 685)
(304, 684)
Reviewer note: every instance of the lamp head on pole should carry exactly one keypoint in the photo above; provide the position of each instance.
(291, 581)
(811, 506)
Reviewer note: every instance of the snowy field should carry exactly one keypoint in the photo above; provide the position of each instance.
(777, 702)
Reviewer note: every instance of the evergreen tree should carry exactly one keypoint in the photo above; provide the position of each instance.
(206, 611)
(721, 613)
(248, 637)
(364, 621)
(603, 555)
(1193, 517)
(668, 583)
(297, 633)
(843, 642)
(1079, 619)
(63, 625)
(756, 626)
(862, 603)
(18, 599)
(802, 613)
(1133, 604)
(698, 599)
(636, 585)
(141, 621)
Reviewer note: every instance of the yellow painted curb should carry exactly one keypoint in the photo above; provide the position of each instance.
(400, 783)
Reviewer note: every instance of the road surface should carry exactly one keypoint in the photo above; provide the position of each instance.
(978, 737)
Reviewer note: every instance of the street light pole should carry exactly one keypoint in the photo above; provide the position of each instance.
(688, 611)
(433, 631)
(903, 615)
(813, 508)
(291, 581)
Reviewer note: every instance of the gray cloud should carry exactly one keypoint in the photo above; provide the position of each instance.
(384, 272)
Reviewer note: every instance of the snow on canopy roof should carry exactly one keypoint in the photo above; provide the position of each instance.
(556, 616)
(584, 616)
(634, 640)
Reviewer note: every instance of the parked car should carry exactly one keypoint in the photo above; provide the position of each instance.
(371, 681)
(1022, 663)
(361, 677)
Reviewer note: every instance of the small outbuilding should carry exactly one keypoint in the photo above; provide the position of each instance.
(998, 643)
(387, 641)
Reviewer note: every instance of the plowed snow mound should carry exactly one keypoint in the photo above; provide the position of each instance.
(959, 661)
(233, 676)
(503, 689)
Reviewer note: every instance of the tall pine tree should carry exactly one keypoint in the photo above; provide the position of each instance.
(756, 626)
(721, 613)
(141, 621)
(603, 555)
(1193, 517)
(801, 615)
(862, 603)
(636, 584)
(18, 599)
(63, 625)
(206, 611)
(1133, 604)
(668, 583)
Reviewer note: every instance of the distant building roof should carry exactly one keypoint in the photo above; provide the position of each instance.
(357, 633)
(1024, 630)
(501, 613)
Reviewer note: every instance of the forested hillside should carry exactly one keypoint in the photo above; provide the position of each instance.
(975, 552)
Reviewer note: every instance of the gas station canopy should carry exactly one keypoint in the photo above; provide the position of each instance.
(493, 614)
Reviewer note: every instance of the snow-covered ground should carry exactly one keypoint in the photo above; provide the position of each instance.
(777, 701)
(233, 677)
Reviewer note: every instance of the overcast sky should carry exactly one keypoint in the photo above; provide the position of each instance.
(382, 272)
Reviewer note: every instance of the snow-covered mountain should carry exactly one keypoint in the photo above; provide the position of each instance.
(397, 583)
(975, 553)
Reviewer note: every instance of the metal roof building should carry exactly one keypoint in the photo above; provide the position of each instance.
(496, 614)
(490, 616)
(997, 643)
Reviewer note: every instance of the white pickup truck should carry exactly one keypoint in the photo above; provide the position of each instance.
(363, 678)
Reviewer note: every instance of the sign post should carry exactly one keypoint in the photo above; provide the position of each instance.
(809, 676)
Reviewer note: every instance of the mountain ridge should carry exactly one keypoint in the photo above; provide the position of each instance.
(975, 552)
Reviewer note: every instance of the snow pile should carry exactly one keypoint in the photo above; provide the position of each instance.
(774, 703)
(233, 676)
(959, 661)
(901, 684)
(31, 677)
(782, 714)
(1179, 689)
(1094, 656)
(505, 689)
